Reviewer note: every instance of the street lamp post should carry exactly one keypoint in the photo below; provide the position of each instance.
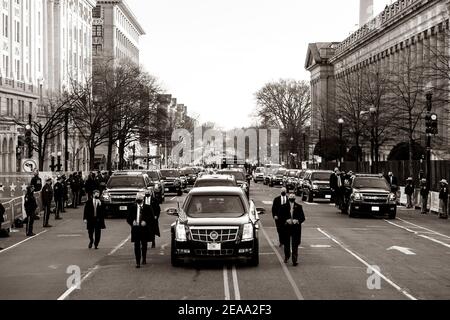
(341, 147)
(429, 97)
(373, 142)
(58, 164)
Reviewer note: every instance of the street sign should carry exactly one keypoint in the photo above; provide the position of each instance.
(28, 165)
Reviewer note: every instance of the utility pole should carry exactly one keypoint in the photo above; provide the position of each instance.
(431, 129)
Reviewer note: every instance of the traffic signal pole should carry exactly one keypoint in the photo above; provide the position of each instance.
(429, 97)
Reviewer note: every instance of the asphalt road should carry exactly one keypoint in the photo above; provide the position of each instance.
(338, 256)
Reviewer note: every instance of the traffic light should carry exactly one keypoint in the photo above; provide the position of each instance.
(29, 141)
(431, 122)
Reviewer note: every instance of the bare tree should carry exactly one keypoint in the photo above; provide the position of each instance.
(287, 105)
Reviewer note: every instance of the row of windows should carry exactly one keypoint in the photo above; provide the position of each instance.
(123, 40)
(22, 115)
(126, 24)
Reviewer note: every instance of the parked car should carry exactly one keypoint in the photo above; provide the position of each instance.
(240, 178)
(215, 223)
(316, 185)
(215, 181)
(157, 183)
(172, 181)
(371, 195)
(298, 188)
(121, 190)
(258, 174)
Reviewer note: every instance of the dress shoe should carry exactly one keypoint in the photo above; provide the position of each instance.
(90, 245)
(144, 262)
(295, 264)
(48, 226)
(138, 266)
(58, 218)
(30, 235)
(286, 260)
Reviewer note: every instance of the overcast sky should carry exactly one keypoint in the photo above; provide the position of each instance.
(213, 55)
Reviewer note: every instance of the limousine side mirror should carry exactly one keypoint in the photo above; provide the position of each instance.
(172, 212)
(261, 210)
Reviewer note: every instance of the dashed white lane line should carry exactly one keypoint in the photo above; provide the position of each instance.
(311, 203)
(171, 199)
(397, 287)
(23, 241)
(67, 293)
(283, 266)
(419, 235)
(225, 283)
(267, 202)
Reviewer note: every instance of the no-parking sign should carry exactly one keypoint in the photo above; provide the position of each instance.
(28, 165)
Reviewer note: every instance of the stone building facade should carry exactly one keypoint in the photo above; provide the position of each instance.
(407, 27)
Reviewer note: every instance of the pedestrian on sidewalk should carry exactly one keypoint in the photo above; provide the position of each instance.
(75, 188)
(82, 191)
(279, 205)
(443, 199)
(292, 220)
(409, 191)
(47, 197)
(140, 218)
(30, 204)
(424, 192)
(65, 190)
(94, 217)
(58, 190)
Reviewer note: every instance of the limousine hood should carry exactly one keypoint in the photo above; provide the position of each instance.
(211, 221)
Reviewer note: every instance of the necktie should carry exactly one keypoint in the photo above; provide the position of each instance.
(95, 208)
(283, 202)
(138, 218)
(292, 212)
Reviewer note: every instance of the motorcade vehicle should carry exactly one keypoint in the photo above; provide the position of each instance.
(268, 172)
(215, 223)
(157, 183)
(215, 181)
(316, 185)
(190, 175)
(371, 195)
(121, 191)
(240, 178)
(258, 174)
(172, 181)
(290, 179)
(298, 188)
(276, 179)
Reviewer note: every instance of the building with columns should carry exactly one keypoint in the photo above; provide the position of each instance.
(44, 45)
(407, 29)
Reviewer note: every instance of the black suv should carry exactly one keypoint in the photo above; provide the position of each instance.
(121, 190)
(316, 184)
(190, 175)
(172, 181)
(215, 181)
(157, 183)
(276, 179)
(290, 179)
(240, 177)
(371, 195)
(215, 222)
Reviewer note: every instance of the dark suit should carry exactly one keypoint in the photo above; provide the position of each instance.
(393, 183)
(292, 232)
(95, 221)
(154, 203)
(47, 197)
(277, 209)
(59, 197)
(141, 234)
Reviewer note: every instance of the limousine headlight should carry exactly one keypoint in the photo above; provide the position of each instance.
(248, 232)
(180, 233)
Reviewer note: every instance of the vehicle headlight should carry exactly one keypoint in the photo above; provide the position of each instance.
(392, 197)
(315, 187)
(180, 233)
(248, 232)
(176, 182)
(106, 196)
(357, 196)
(244, 186)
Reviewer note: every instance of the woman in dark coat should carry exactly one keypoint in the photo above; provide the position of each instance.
(141, 219)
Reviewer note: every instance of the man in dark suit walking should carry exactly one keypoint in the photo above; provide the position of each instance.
(279, 205)
(141, 219)
(47, 197)
(292, 220)
(94, 217)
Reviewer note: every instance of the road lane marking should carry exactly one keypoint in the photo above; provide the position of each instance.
(419, 235)
(120, 245)
(68, 235)
(74, 287)
(320, 246)
(432, 231)
(267, 202)
(311, 203)
(237, 294)
(19, 243)
(164, 246)
(403, 250)
(397, 287)
(283, 266)
(225, 283)
(171, 199)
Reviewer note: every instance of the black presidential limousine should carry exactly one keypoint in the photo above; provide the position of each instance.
(215, 223)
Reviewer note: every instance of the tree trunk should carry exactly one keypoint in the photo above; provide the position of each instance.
(40, 153)
(411, 151)
(110, 146)
(121, 154)
(357, 152)
(91, 154)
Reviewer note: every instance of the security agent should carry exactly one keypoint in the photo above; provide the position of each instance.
(292, 220)
(279, 205)
(94, 217)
